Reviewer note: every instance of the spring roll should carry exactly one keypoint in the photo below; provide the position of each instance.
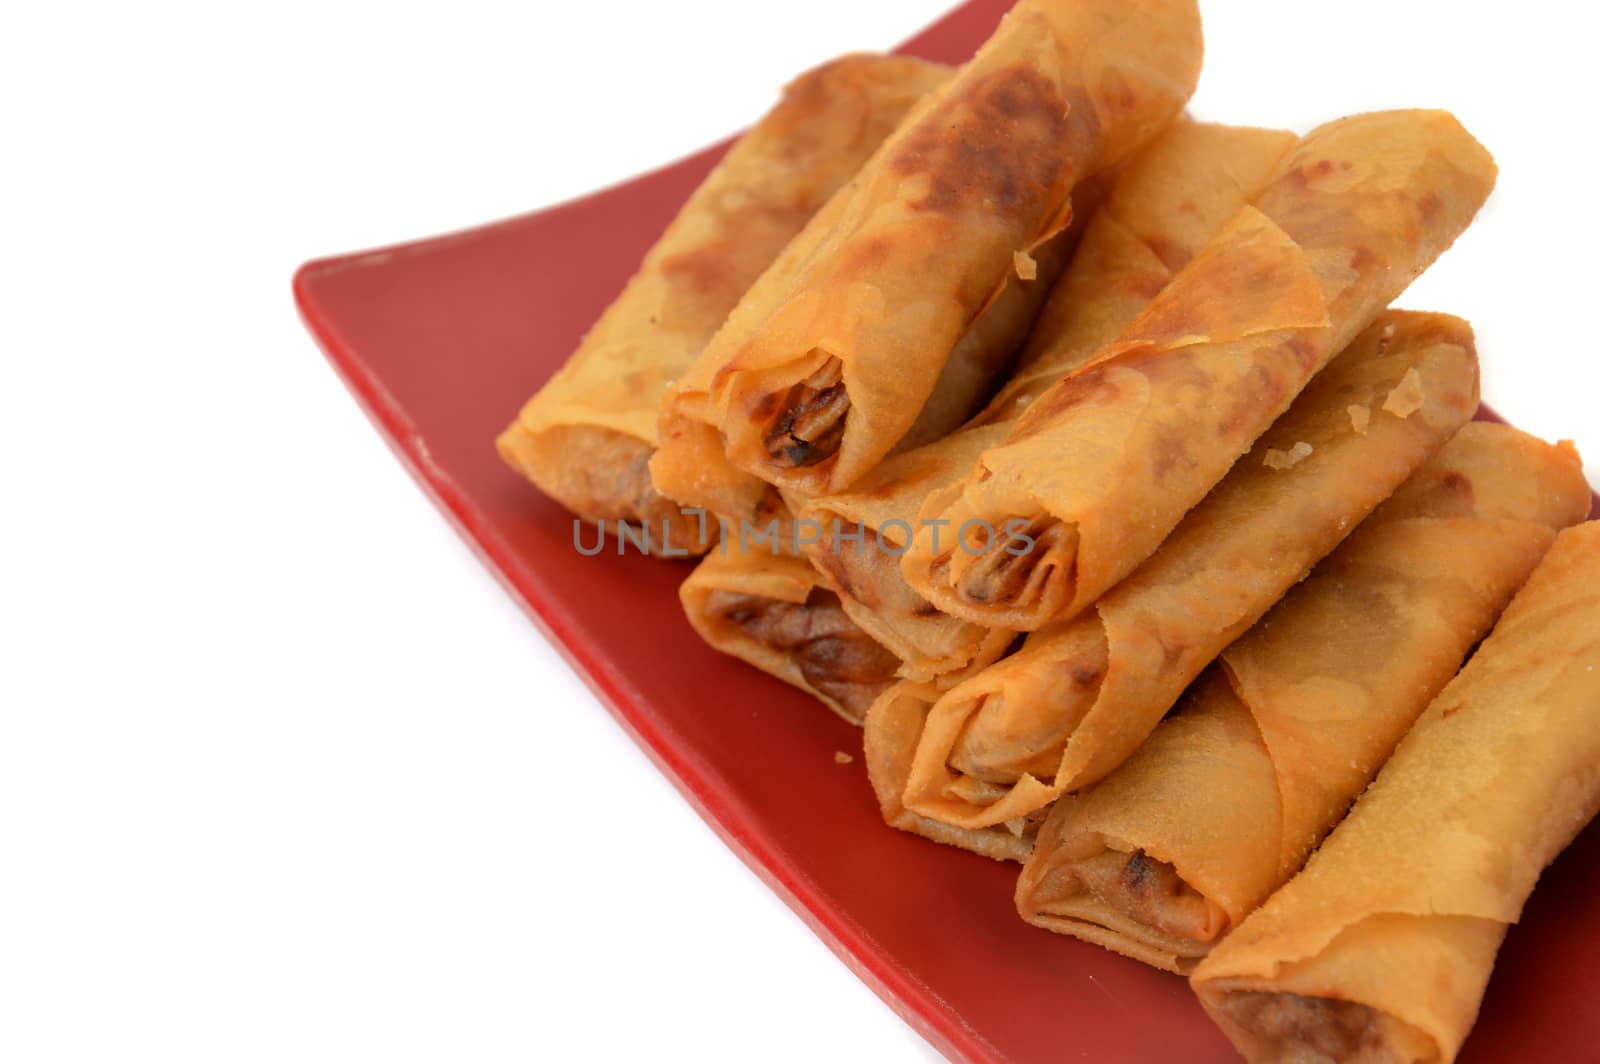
(692, 467)
(1165, 204)
(1078, 698)
(1100, 469)
(691, 464)
(891, 728)
(1381, 948)
(823, 375)
(587, 437)
(1223, 802)
(769, 610)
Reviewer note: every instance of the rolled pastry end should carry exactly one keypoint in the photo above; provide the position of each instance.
(1277, 1025)
(1129, 902)
(1012, 571)
(835, 657)
(808, 425)
(893, 723)
(995, 745)
(603, 475)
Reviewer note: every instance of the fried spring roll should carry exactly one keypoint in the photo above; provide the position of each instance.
(692, 466)
(1381, 948)
(1101, 468)
(1077, 699)
(770, 611)
(1223, 802)
(821, 376)
(891, 728)
(586, 438)
(1165, 204)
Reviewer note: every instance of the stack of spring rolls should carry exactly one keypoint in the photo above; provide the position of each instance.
(1073, 448)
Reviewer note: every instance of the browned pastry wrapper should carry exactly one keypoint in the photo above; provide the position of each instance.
(1381, 948)
(1223, 802)
(1103, 465)
(770, 610)
(587, 437)
(1078, 698)
(691, 465)
(883, 309)
(1166, 203)
(893, 723)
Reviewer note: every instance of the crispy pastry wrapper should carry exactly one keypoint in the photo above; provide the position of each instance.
(1170, 200)
(770, 610)
(1223, 802)
(1078, 698)
(821, 377)
(893, 723)
(587, 437)
(1103, 465)
(692, 465)
(1381, 948)
(1166, 202)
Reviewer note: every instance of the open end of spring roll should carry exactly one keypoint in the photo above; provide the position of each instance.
(1263, 755)
(1286, 1026)
(1089, 879)
(847, 359)
(861, 569)
(603, 475)
(1165, 203)
(865, 531)
(691, 468)
(691, 465)
(1078, 698)
(891, 728)
(585, 437)
(1103, 465)
(1439, 855)
(771, 612)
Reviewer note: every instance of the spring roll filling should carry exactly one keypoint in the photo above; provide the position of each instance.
(1308, 1029)
(608, 475)
(809, 426)
(835, 657)
(1017, 569)
(1150, 892)
(628, 460)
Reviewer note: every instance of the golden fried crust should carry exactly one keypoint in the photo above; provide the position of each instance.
(1119, 451)
(1077, 700)
(1436, 859)
(734, 225)
(1158, 212)
(923, 249)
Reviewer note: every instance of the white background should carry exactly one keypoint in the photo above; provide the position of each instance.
(273, 745)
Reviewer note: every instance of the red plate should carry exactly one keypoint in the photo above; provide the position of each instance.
(442, 340)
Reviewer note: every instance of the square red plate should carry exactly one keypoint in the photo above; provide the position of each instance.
(442, 340)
